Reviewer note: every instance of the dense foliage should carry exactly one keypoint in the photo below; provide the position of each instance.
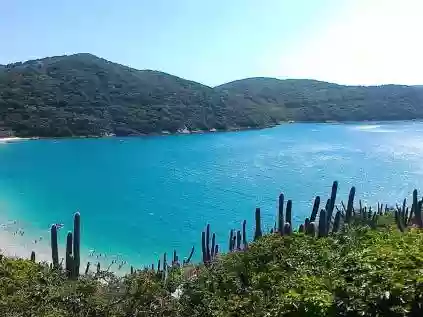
(357, 272)
(83, 95)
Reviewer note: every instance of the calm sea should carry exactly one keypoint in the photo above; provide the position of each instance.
(140, 197)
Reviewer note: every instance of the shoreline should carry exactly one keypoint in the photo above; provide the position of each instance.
(194, 132)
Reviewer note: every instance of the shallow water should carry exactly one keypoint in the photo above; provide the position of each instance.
(143, 196)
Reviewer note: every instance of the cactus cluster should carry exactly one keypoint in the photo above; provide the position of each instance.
(405, 217)
(73, 248)
(209, 253)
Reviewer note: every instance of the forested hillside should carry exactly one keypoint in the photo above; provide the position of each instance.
(83, 95)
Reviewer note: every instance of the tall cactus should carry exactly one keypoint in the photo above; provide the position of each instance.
(332, 202)
(54, 247)
(244, 234)
(289, 212)
(76, 243)
(238, 240)
(258, 233)
(69, 257)
(231, 238)
(322, 223)
(213, 245)
(350, 205)
(190, 255)
(33, 256)
(337, 222)
(417, 210)
(281, 221)
(315, 209)
(208, 242)
(203, 246)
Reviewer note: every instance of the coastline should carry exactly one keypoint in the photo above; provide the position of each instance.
(185, 131)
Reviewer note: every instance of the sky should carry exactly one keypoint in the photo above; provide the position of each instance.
(364, 42)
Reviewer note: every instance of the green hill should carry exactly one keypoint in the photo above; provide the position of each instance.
(311, 100)
(83, 95)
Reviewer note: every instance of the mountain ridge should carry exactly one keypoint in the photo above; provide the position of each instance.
(85, 95)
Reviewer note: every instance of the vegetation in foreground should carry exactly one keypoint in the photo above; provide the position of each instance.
(357, 272)
(83, 95)
(355, 263)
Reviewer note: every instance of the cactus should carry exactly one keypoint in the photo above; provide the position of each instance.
(399, 221)
(287, 228)
(132, 270)
(87, 269)
(332, 202)
(244, 234)
(203, 246)
(322, 223)
(158, 266)
(213, 245)
(216, 250)
(98, 268)
(33, 256)
(350, 205)
(315, 209)
(69, 257)
(281, 221)
(76, 244)
(238, 240)
(337, 222)
(289, 212)
(404, 202)
(175, 257)
(190, 255)
(306, 222)
(312, 229)
(231, 236)
(417, 210)
(54, 247)
(301, 228)
(327, 205)
(164, 262)
(258, 232)
(208, 243)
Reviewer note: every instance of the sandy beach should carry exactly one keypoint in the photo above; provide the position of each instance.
(13, 139)
(15, 244)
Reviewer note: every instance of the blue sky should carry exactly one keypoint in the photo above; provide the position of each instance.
(216, 41)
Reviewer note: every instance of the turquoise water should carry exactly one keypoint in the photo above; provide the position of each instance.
(143, 196)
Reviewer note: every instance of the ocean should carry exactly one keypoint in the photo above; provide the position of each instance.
(143, 196)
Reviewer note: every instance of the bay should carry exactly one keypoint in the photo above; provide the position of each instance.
(140, 197)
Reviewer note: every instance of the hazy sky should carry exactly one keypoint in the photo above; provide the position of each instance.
(215, 41)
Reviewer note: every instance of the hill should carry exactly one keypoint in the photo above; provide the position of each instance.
(311, 100)
(84, 95)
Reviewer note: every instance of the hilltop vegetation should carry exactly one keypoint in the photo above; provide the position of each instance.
(83, 95)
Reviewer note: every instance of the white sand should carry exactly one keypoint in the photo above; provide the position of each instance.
(15, 245)
(12, 139)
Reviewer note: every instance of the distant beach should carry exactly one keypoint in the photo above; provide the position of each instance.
(14, 139)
